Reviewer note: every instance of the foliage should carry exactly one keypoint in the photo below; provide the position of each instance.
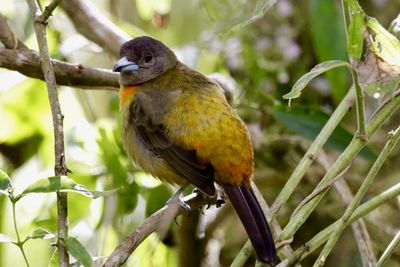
(274, 50)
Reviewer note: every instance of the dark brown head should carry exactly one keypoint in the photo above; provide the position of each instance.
(143, 59)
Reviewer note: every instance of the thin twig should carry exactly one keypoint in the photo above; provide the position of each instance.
(319, 239)
(19, 243)
(48, 10)
(389, 250)
(359, 227)
(394, 137)
(60, 167)
(312, 152)
(320, 189)
(350, 152)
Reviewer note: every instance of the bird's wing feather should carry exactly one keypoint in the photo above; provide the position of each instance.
(183, 161)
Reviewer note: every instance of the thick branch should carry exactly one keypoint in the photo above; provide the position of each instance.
(93, 25)
(190, 245)
(27, 62)
(8, 37)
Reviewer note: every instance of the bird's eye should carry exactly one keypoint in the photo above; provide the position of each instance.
(148, 57)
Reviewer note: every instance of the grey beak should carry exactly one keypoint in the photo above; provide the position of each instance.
(123, 64)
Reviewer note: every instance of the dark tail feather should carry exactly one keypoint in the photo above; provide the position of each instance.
(250, 213)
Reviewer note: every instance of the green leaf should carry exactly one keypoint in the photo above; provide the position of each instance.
(54, 184)
(308, 122)
(5, 183)
(61, 183)
(329, 41)
(17, 124)
(156, 198)
(6, 239)
(384, 44)
(50, 224)
(356, 30)
(314, 72)
(54, 260)
(111, 156)
(385, 87)
(128, 198)
(78, 251)
(41, 233)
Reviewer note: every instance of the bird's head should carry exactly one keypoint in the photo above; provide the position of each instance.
(143, 59)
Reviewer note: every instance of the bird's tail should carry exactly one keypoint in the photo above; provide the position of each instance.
(250, 213)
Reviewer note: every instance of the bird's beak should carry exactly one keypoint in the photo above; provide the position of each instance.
(123, 64)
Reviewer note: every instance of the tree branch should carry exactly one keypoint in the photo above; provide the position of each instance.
(93, 25)
(60, 167)
(8, 37)
(48, 10)
(190, 245)
(27, 62)
(150, 225)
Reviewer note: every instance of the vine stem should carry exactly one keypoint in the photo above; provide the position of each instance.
(344, 220)
(319, 239)
(389, 250)
(312, 152)
(19, 243)
(381, 115)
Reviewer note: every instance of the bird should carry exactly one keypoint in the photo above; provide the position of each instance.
(178, 126)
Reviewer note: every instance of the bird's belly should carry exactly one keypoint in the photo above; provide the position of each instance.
(148, 160)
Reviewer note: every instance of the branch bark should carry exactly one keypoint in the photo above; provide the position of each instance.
(93, 25)
(8, 37)
(190, 245)
(150, 225)
(27, 62)
(60, 168)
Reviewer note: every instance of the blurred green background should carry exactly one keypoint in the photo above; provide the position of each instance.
(265, 58)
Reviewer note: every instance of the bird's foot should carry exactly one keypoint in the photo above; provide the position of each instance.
(218, 200)
(175, 200)
(220, 197)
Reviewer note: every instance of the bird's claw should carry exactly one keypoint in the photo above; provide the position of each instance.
(175, 200)
(218, 199)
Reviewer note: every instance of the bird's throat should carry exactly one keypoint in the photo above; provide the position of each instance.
(125, 93)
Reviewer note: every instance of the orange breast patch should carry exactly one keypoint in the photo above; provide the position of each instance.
(126, 92)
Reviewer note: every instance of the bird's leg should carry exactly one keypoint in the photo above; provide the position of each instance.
(220, 197)
(175, 200)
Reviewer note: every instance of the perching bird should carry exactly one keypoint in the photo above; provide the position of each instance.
(179, 127)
